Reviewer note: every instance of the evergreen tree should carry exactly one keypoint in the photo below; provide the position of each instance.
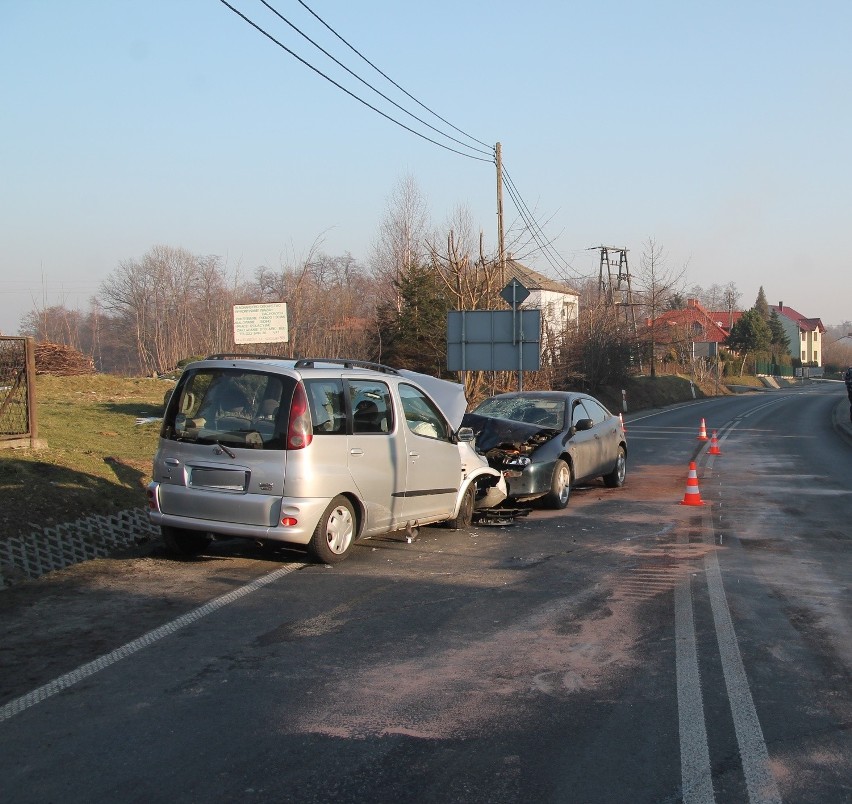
(676, 301)
(778, 340)
(761, 305)
(414, 336)
(749, 334)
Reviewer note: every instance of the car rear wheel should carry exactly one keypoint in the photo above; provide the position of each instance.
(465, 515)
(615, 479)
(560, 486)
(335, 532)
(182, 542)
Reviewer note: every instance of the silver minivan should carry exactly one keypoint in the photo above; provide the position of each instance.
(315, 452)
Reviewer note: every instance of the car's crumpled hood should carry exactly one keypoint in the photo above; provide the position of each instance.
(448, 395)
(499, 439)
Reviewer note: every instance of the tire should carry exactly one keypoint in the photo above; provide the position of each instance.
(335, 532)
(560, 486)
(182, 542)
(615, 479)
(465, 515)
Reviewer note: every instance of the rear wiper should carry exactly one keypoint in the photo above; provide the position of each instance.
(225, 450)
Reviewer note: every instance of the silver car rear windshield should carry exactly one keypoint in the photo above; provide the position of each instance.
(234, 407)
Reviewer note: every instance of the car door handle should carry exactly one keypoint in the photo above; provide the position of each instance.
(414, 455)
(356, 451)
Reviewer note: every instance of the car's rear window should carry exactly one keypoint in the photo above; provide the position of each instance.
(234, 407)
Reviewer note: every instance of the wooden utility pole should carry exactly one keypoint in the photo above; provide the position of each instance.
(498, 158)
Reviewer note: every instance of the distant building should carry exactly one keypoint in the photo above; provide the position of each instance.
(804, 334)
(693, 327)
(707, 330)
(558, 301)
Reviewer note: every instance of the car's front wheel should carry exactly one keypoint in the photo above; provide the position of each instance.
(335, 532)
(560, 486)
(465, 514)
(182, 542)
(615, 479)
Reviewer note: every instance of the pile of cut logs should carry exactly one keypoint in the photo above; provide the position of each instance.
(61, 361)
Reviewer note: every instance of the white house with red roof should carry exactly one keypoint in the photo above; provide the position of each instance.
(804, 334)
(707, 330)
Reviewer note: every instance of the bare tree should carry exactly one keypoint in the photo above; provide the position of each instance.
(731, 299)
(598, 349)
(656, 282)
(165, 300)
(402, 237)
(330, 303)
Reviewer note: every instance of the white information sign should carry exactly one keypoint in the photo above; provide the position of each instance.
(260, 323)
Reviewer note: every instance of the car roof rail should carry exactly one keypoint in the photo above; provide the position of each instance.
(236, 355)
(310, 362)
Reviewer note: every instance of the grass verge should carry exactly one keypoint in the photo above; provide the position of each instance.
(97, 460)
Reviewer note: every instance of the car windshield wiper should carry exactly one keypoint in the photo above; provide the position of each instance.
(225, 450)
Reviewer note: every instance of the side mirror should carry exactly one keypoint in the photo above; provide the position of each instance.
(465, 435)
(584, 424)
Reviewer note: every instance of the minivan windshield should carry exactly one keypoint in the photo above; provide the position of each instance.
(233, 407)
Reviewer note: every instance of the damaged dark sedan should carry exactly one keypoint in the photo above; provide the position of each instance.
(545, 442)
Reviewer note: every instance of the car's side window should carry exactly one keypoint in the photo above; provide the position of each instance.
(578, 411)
(372, 411)
(328, 410)
(597, 413)
(421, 415)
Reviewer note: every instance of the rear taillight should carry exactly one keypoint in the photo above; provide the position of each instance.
(299, 431)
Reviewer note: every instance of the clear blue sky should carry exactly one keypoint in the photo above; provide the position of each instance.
(722, 130)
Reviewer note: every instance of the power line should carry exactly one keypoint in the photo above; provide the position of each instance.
(535, 230)
(384, 75)
(369, 85)
(348, 92)
(548, 243)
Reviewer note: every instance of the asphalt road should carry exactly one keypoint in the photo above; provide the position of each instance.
(628, 649)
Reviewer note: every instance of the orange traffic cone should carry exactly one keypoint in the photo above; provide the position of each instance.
(621, 421)
(702, 433)
(692, 496)
(714, 446)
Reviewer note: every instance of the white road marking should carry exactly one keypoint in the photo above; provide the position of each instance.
(695, 771)
(18, 705)
(753, 753)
